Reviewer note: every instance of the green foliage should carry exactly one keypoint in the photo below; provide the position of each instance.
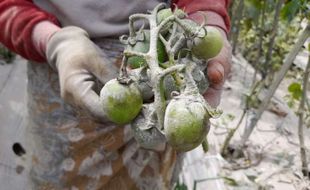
(226, 119)
(205, 145)
(293, 99)
(294, 94)
(253, 9)
(180, 186)
(294, 7)
(295, 90)
(290, 10)
(6, 56)
(250, 36)
(230, 181)
(254, 39)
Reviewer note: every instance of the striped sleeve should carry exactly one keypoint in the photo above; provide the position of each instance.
(17, 20)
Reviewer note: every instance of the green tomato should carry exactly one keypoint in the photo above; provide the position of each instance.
(143, 47)
(208, 46)
(146, 131)
(142, 81)
(186, 123)
(121, 103)
(163, 14)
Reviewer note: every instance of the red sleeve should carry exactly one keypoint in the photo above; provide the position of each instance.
(17, 20)
(216, 11)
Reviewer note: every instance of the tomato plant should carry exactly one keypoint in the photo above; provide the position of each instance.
(169, 60)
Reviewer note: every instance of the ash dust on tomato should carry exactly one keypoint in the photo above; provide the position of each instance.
(161, 94)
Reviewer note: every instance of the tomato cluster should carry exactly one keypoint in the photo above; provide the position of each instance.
(161, 94)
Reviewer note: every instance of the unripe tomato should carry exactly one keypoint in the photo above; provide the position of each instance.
(141, 77)
(143, 47)
(137, 61)
(186, 123)
(208, 46)
(145, 129)
(169, 86)
(163, 14)
(121, 103)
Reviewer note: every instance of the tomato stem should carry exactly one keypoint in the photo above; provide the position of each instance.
(179, 33)
(132, 19)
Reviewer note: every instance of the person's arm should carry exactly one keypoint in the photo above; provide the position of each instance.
(18, 18)
(35, 35)
(218, 67)
(215, 10)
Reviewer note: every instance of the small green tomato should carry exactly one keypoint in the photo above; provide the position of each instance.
(163, 14)
(121, 103)
(208, 46)
(143, 47)
(186, 123)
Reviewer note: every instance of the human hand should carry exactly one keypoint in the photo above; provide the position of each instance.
(218, 67)
(217, 71)
(79, 62)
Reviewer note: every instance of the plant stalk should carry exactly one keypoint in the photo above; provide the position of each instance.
(273, 36)
(304, 165)
(237, 25)
(231, 133)
(275, 83)
(260, 43)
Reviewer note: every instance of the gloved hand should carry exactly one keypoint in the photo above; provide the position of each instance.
(79, 62)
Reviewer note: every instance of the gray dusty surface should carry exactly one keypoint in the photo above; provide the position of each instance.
(12, 123)
(276, 135)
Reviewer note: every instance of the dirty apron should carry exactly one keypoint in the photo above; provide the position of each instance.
(68, 150)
